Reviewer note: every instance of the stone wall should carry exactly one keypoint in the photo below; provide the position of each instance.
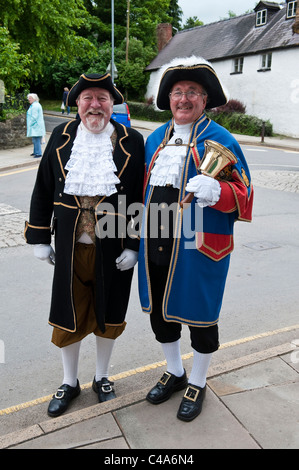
(13, 133)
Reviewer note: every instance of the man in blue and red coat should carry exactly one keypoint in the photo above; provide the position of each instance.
(183, 264)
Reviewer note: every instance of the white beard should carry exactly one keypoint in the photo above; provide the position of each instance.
(95, 125)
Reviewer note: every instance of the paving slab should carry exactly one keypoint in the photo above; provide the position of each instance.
(270, 414)
(92, 431)
(148, 426)
(270, 372)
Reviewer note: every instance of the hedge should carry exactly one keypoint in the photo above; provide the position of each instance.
(148, 112)
(239, 123)
(236, 123)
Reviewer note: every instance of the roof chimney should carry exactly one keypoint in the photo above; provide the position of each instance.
(164, 34)
(296, 24)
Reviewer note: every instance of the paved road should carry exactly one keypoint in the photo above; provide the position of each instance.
(261, 294)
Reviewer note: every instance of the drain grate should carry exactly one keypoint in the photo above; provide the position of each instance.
(260, 246)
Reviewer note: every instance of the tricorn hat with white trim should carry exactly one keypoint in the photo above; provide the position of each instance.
(195, 69)
(94, 80)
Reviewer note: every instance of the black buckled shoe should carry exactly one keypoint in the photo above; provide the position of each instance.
(168, 384)
(191, 403)
(104, 389)
(62, 399)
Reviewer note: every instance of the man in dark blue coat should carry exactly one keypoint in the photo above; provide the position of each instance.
(91, 172)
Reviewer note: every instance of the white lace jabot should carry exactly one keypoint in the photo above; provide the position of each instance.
(169, 163)
(91, 169)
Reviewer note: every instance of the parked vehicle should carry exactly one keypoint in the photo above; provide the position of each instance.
(121, 114)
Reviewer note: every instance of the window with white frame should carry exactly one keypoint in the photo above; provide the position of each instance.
(266, 61)
(261, 17)
(291, 10)
(238, 65)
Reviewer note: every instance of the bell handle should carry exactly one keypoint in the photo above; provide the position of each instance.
(187, 199)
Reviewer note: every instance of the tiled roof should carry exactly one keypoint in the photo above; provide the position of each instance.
(233, 37)
(270, 5)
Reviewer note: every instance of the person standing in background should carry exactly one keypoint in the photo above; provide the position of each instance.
(64, 101)
(35, 124)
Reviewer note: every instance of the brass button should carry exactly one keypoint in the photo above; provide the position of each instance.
(160, 248)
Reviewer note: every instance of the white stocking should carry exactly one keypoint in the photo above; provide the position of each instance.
(70, 360)
(199, 370)
(172, 352)
(104, 351)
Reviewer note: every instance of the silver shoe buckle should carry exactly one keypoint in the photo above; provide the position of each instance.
(59, 394)
(107, 388)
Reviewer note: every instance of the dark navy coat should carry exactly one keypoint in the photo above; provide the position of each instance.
(54, 212)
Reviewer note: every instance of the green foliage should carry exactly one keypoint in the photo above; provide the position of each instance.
(64, 73)
(100, 23)
(14, 105)
(175, 12)
(232, 106)
(131, 79)
(131, 76)
(14, 67)
(44, 29)
(238, 123)
(148, 112)
(54, 41)
(192, 22)
(145, 15)
(144, 18)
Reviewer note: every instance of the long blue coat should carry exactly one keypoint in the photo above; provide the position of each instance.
(35, 121)
(200, 256)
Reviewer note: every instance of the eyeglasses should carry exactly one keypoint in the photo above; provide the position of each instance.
(190, 95)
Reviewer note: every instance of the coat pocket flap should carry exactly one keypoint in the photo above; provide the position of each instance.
(215, 246)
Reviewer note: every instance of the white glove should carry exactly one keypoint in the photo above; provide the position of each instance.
(127, 259)
(206, 189)
(44, 253)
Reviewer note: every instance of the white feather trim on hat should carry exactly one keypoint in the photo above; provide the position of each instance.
(186, 62)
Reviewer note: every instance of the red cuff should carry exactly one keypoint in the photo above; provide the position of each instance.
(227, 201)
(234, 196)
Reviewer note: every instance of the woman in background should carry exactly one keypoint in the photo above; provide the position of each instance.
(35, 124)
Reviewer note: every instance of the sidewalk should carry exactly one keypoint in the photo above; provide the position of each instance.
(252, 402)
(18, 158)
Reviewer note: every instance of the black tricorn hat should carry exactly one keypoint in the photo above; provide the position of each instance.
(201, 73)
(91, 80)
